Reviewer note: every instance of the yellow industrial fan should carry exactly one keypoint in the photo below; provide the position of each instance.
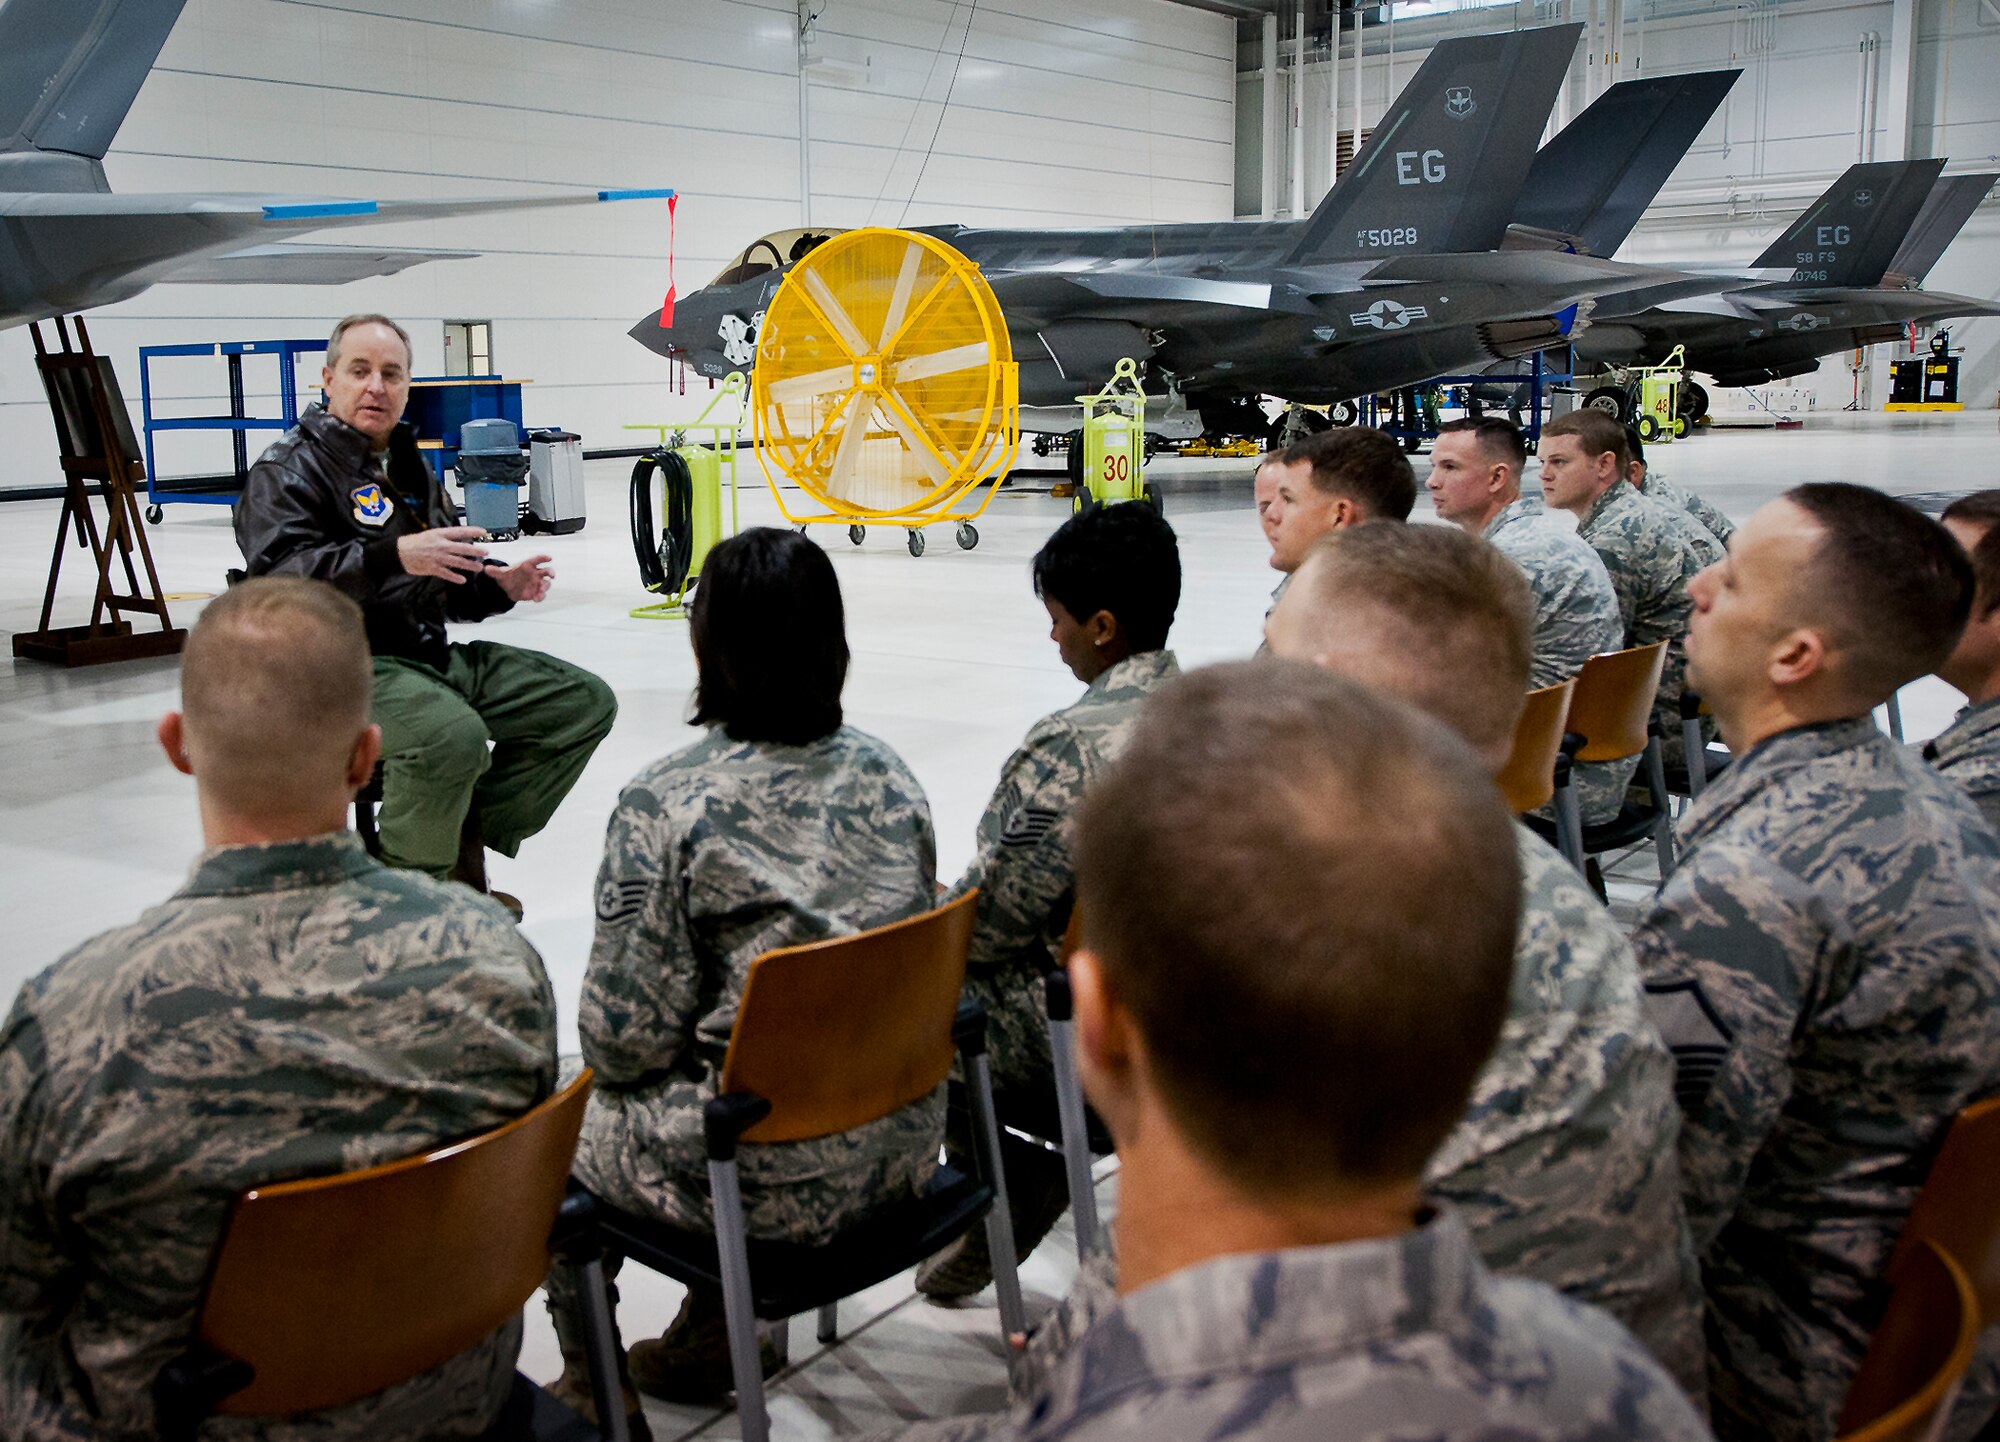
(885, 387)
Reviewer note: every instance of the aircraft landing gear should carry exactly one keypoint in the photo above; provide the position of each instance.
(1614, 401)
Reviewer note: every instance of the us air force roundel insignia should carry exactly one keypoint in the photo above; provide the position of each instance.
(371, 505)
(1698, 1038)
(1028, 826)
(620, 900)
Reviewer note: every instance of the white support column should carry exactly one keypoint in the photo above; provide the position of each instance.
(806, 37)
(1298, 109)
(1359, 31)
(1267, 198)
(1902, 73)
(1333, 102)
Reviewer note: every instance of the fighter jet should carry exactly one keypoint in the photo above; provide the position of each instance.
(1843, 276)
(1398, 275)
(69, 70)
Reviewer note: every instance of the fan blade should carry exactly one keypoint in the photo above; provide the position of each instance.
(906, 281)
(920, 447)
(944, 362)
(810, 386)
(854, 420)
(834, 313)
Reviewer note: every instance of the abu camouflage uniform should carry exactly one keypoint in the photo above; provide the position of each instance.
(1023, 866)
(1647, 551)
(295, 1010)
(1564, 1166)
(1968, 751)
(1576, 617)
(1370, 1341)
(1825, 963)
(1659, 488)
(715, 855)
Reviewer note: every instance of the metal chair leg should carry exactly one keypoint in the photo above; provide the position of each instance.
(738, 1304)
(600, 1348)
(1895, 708)
(1696, 750)
(1569, 826)
(999, 1222)
(829, 1322)
(1075, 1134)
(1663, 829)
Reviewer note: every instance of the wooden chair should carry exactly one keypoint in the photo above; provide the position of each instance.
(327, 1290)
(1909, 1378)
(830, 1036)
(1959, 1206)
(1610, 716)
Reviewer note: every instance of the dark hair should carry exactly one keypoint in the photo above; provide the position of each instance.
(1635, 447)
(770, 636)
(1450, 618)
(1595, 433)
(1361, 464)
(1890, 582)
(1274, 877)
(1499, 437)
(1120, 558)
(1981, 509)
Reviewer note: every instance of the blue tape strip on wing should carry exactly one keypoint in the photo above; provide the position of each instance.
(635, 195)
(1565, 319)
(328, 207)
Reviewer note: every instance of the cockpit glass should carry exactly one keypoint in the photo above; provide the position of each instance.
(771, 252)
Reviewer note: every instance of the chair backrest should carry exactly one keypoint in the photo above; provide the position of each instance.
(1614, 700)
(1910, 1374)
(1528, 778)
(1959, 1206)
(339, 1286)
(835, 1034)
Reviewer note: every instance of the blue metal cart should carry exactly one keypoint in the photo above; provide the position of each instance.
(218, 490)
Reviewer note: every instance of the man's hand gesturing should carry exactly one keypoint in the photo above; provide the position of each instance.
(446, 553)
(528, 581)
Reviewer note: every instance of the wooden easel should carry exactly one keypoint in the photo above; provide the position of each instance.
(95, 434)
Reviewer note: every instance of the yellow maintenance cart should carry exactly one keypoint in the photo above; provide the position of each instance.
(1114, 442)
(1660, 418)
(691, 470)
(885, 388)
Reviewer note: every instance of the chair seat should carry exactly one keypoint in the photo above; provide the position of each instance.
(1716, 761)
(1632, 826)
(792, 1277)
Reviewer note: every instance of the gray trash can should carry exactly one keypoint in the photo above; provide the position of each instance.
(492, 470)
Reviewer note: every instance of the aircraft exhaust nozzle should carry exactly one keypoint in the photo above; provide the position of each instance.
(1512, 339)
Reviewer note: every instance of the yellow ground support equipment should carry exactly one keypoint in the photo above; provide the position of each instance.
(1114, 442)
(1659, 386)
(691, 471)
(886, 388)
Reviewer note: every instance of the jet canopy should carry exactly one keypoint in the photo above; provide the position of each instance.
(772, 252)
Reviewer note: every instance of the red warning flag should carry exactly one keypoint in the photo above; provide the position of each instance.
(667, 305)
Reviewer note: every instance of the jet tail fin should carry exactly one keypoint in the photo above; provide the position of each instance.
(1950, 204)
(1441, 173)
(1850, 234)
(1596, 178)
(70, 69)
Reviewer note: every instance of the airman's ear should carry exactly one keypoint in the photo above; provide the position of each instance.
(1797, 658)
(173, 741)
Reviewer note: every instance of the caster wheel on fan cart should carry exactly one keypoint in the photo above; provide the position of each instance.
(916, 543)
(154, 515)
(855, 533)
(967, 535)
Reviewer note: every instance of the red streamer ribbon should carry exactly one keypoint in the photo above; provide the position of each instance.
(667, 305)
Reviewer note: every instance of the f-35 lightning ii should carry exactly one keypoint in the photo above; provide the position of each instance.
(1846, 276)
(1399, 274)
(69, 70)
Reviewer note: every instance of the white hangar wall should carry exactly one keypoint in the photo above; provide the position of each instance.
(1118, 114)
(1791, 124)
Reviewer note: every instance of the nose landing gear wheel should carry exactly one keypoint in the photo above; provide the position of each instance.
(916, 543)
(855, 533)
(967, 535)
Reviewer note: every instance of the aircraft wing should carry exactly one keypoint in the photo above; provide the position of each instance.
(288, 264)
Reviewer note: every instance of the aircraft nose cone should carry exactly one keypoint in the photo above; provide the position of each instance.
(659, 339)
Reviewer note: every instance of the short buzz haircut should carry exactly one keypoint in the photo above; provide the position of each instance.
(1120, 558)
(1595, 433)
(1635, 446)
(1275, 879)
(1497, 436)
(348, 323)
(1981, 509)
(1361, 465)
(1446, 621)
(275, 685)
(770, 639)
(1889, 583)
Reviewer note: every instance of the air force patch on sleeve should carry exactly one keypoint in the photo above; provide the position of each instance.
(620, 900)
(371, 505)
(1697, 1036)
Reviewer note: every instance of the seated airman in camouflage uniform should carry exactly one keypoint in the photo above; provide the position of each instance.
(1279, 1024)
(1475, 482)
(1111, 579)
(1968, 751)
(781, 826)
(1327, 482)
(1645, 547)
(1825, 959)
(296, 1010)
(1562, 1167)
(1654, 486)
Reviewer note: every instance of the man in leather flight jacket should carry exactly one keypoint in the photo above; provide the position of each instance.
(344, 497)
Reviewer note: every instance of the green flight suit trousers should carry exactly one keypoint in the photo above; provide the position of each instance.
(542, 718)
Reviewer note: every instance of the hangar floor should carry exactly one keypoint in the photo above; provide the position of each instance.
(952, 664)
